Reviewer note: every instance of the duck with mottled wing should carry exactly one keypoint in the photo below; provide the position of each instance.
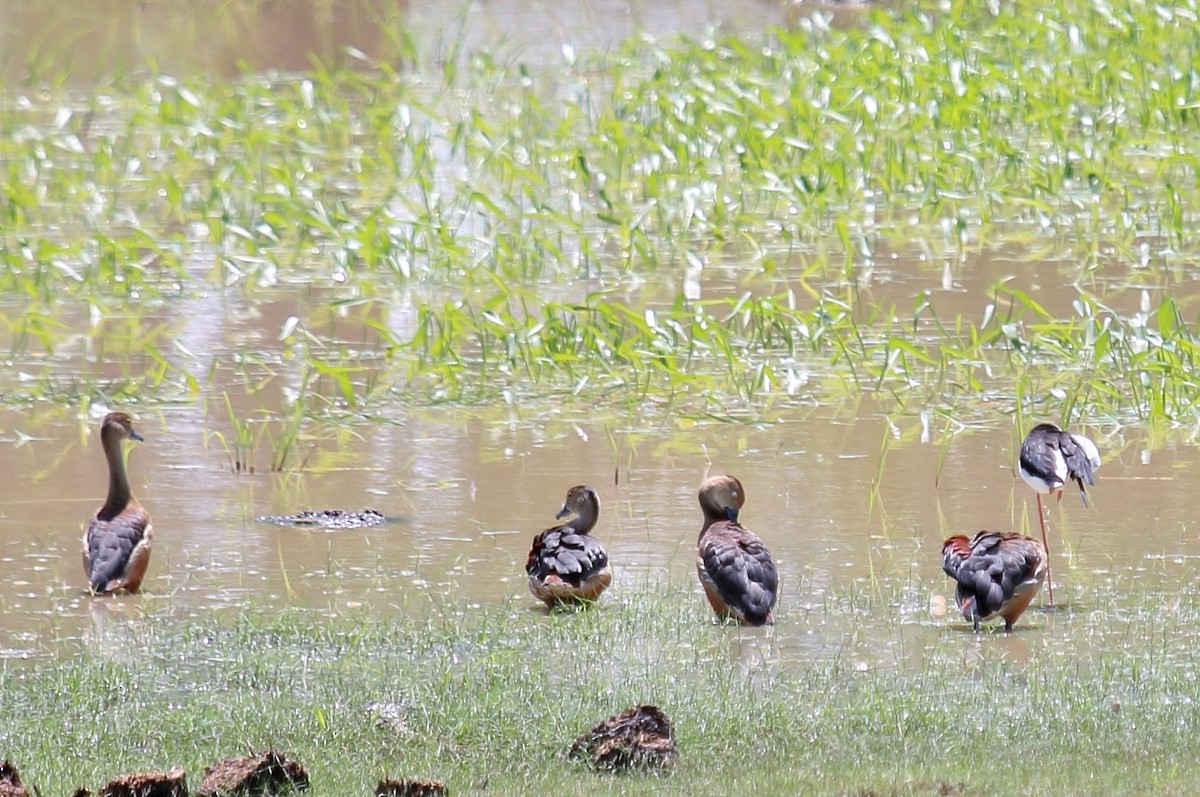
(116, 545)
(566, 564)
(997, 573)
(735, 567)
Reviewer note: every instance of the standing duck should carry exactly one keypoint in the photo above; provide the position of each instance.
(1051, 457)
(566, 563)
(997, 573)
(116, 545)
(735, 568)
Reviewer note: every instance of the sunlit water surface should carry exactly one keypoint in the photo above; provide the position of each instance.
(469, 489)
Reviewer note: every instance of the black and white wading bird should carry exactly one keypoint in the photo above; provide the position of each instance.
(1050, 458)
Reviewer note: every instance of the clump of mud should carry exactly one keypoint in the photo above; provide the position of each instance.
(411, 788)
(10, 781)
(255, 775)
(147, 784)
(327, 519)
(639, 737)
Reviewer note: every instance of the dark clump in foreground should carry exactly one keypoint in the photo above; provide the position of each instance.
(411, 788)
(253, 776)
(640, 737)
(10, 781)
(147, 784)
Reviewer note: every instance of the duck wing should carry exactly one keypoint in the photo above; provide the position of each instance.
(989, 569)
(111, 542)
(737, 563)
(564, 552)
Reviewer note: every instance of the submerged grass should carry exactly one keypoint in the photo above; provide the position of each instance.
(491, 698)
(779, 165)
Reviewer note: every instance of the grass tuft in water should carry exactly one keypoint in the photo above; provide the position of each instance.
(687, 226)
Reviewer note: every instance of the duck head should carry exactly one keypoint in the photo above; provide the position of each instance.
(118, 426)
(721, 498)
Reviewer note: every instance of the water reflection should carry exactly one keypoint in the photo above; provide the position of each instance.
(90, 41)
(112, 634)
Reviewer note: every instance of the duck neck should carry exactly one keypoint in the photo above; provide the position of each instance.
(709, 519)
(585, 521)
(119, 493)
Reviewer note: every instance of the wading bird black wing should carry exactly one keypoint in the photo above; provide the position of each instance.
(1079, 465)
(1040, 455)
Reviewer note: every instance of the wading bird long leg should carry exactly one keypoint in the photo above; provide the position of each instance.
(1045, 544)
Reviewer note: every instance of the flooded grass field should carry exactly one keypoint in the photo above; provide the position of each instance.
(444, 265)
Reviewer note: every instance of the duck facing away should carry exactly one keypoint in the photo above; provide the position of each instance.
(735, 568)
(116, 545)
(998, 574)
(1050, 458)
(566, 564)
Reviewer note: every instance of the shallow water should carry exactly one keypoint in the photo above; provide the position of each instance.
(220, 38)
(860, 560)
(469, 489)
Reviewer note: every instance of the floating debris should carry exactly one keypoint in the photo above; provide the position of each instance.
(147, 784)
(411, 788)
(10, 781)
(327, 519)
(639, 737)
(253, 775)
(393, 716)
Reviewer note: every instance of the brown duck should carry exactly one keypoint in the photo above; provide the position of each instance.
(998, 573)
(566, 563)
(116, 545)
(735, 568)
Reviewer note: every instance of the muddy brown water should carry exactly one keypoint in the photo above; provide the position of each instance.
(471, 486)
(221, 38)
